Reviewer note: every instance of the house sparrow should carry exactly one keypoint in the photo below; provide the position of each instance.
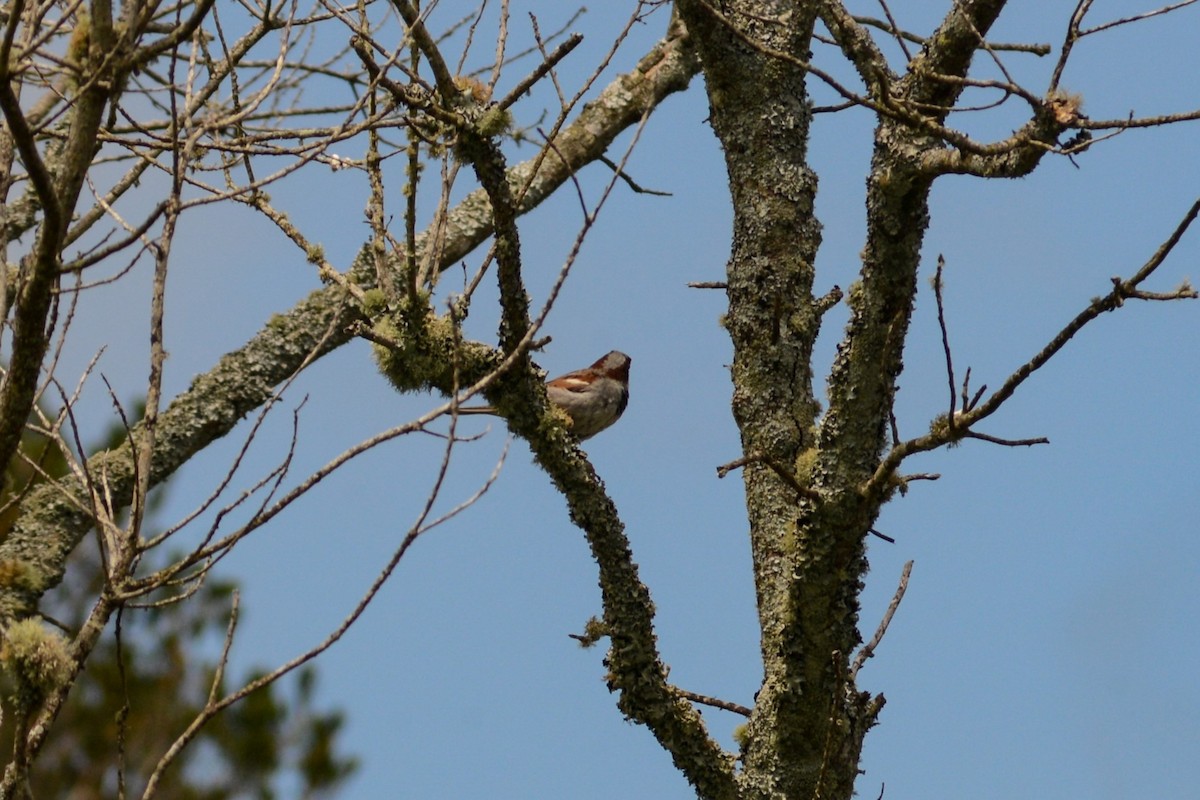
(593, 398)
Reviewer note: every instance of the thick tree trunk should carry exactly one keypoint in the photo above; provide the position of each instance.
(807, 552)
(805, 475)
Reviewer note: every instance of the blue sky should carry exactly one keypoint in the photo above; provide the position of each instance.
(1047, 643)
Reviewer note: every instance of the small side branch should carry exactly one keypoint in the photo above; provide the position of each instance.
(548, 63)
(1007, 442)
(1016, 47)
(786, 476)
(941, 315)
(1122, 290)
(868, 650)
(1135, 18)
(828, 300)
(714, 702)
(633, 185)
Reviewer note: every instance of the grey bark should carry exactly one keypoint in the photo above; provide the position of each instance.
(805, 733)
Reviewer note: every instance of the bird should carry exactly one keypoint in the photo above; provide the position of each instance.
(593, 398)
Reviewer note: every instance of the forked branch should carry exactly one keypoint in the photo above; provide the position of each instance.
(1122, 290)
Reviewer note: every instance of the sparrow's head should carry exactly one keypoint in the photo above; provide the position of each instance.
(614, 365)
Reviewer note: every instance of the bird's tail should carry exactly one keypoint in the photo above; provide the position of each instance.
(477, 410)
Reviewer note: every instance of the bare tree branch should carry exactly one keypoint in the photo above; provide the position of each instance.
(868, 650)
(1122, 290)
(51, 525)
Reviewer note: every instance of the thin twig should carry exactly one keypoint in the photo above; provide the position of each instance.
(548, 63)
(1018, 47)
(637, 188)
(868, 649)
(761, 458)
(941, 315)
(714, 702)
(1135, 18)
(1006, 442)
(887, 12)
